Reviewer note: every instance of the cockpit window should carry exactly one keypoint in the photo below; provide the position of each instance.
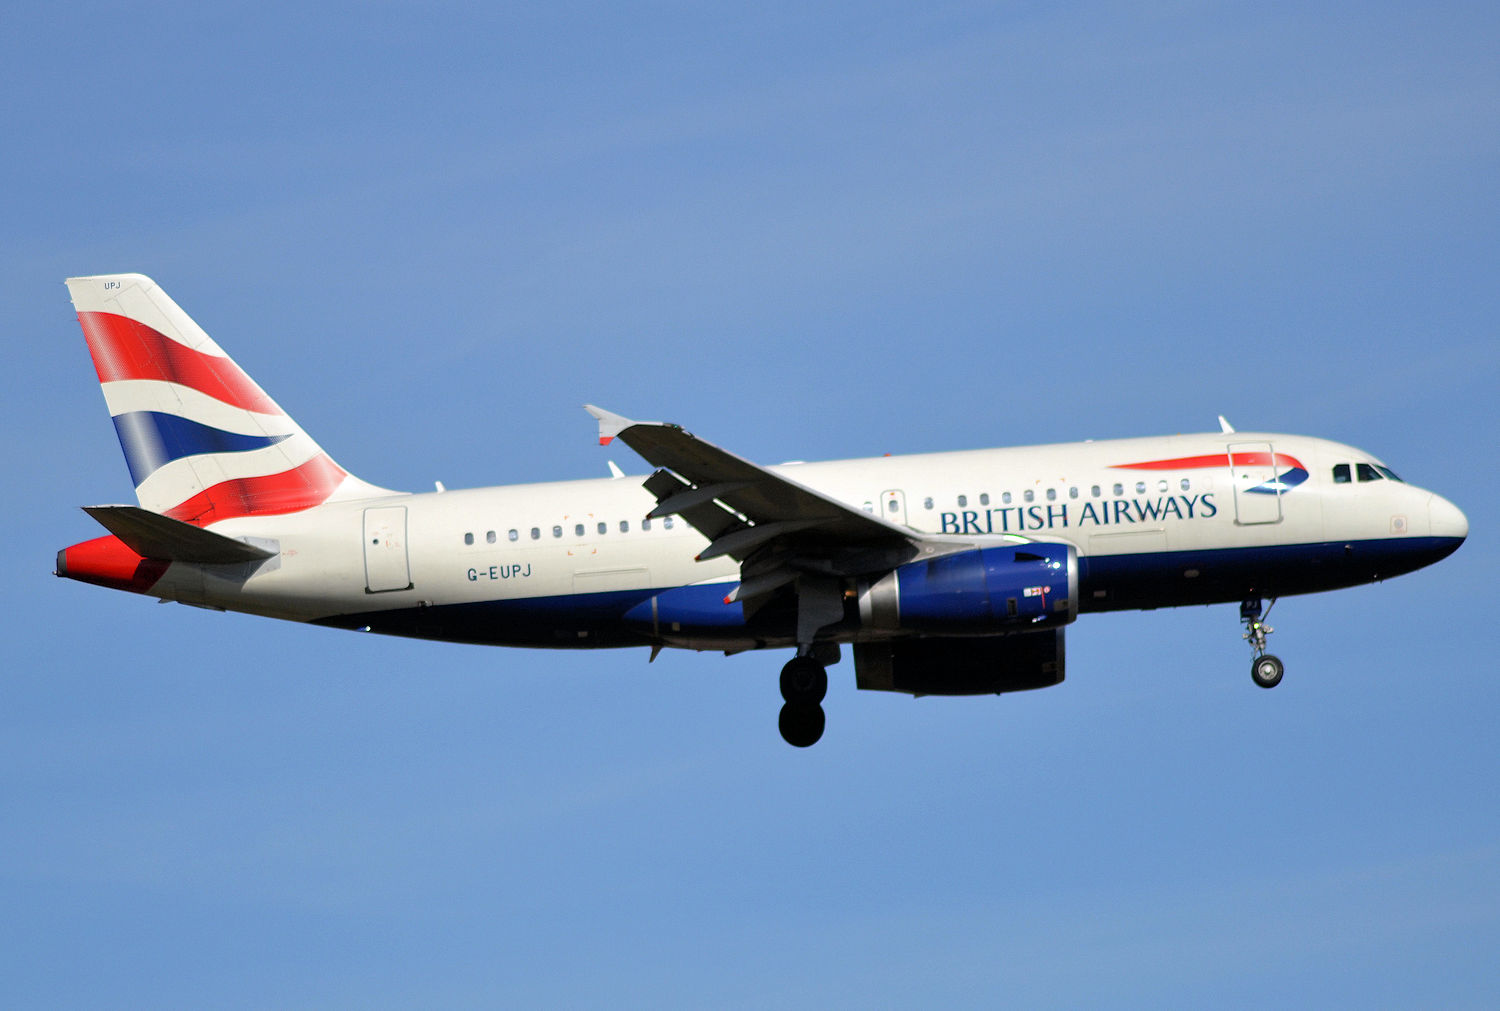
(1367, 472)
(1390, 474)
(1341, 473)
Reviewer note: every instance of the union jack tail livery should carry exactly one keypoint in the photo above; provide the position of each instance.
(203, 442)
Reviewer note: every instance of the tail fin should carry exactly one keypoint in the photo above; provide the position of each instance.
(203, 442)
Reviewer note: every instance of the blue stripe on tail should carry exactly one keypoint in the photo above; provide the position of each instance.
(152, 439)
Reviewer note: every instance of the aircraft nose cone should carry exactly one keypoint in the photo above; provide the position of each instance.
(1446, 519)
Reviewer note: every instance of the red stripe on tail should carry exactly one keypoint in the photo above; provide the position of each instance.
(123, 348)
(288, 492)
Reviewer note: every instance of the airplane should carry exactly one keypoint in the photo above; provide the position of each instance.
(953, 573)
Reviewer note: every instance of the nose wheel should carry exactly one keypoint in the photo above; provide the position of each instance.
(1266, 669)
(804, 683)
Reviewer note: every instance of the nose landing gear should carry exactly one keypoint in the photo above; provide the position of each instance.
(804, 683)
(1265, 670)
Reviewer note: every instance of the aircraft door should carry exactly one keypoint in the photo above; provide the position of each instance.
(893, 506)
(386, 566)
(1257, 492)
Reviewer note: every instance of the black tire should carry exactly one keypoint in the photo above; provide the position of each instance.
(804, 681)
(1266, 671)
(801, 725)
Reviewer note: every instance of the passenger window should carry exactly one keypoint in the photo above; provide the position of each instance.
(489, 538)
(1186, 484)
(578, 530)
(536, 533)
(667, 522)
(1005, 499)
(893, 505)
(645, 524)
(1029, 495)
(557, 531)
(869, 507)
(1140, 487)
(468, 538)
(624, 526)
(1341, 473)
(927, 503)
(1119, 489)
(604, 528)
(515, 535)
(1161, 485)
(963, 500)
(1073, 491)
(1096, 491)
(984, 499)
(1366, 472)
(1051, 494)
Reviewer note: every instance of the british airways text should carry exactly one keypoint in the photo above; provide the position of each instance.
(1054, 516)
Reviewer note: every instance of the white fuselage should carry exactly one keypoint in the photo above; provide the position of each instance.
(498, 564)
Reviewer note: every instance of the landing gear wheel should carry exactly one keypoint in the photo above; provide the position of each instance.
(1266, 671)
(804, 682)
(801, 724)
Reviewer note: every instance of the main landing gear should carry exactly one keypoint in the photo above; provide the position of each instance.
(804, 683)
(1265, 670)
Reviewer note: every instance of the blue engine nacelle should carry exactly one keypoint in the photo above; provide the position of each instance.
(985, 591)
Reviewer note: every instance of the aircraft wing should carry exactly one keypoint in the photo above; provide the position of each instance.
(736, 504)
(779, 531)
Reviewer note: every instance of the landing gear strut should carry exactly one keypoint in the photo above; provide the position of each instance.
(804, 683)
(1265, 670)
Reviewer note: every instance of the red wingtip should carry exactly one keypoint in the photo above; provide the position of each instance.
(605, 440)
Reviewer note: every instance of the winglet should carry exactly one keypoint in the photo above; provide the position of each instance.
(610, 425)
(1225, 426)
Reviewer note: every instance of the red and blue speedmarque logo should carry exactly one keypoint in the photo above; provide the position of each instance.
(1289, 470)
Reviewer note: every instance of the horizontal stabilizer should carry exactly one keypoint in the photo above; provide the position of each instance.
(152, 535)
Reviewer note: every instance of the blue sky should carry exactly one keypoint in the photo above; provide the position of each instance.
(433, 230)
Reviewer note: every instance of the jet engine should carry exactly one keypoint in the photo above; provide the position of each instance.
(985, 591)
